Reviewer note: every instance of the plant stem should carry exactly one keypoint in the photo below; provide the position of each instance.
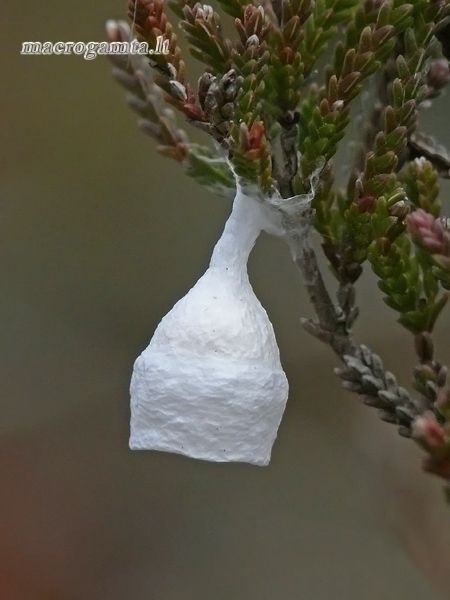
(363, 370)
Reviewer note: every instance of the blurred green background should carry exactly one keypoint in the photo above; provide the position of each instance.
(99, 236)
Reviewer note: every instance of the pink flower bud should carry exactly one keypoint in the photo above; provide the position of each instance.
(428, 431)
(427, 232)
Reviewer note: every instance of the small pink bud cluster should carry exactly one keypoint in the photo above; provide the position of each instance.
(429, 233)
(435, 439)
(428, 431)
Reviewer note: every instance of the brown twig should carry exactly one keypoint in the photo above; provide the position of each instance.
(363, 370)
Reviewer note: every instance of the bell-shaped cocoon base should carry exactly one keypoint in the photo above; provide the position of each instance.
(210, 384)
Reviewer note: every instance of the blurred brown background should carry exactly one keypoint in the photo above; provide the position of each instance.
(99, 236)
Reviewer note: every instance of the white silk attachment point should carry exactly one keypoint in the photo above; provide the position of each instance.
(210, 384)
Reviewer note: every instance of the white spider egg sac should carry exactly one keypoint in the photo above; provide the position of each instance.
(210, 384)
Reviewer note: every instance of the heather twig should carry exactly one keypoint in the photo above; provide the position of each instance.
(276, 124)
(157, 120)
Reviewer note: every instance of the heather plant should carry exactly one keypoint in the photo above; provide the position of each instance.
(276, 98)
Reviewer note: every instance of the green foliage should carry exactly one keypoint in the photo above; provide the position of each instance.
(421, 184)
(211, 171)
(203, 28)
(325, 113)
(277, 122)
(235, 8)
(407, 282)
(322, 27)
(278, 117)
(379, 186)
(252, 158)
(442, 272)
(286, 61)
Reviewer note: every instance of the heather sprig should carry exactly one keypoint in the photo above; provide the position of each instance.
(325, 113)
(203, 28)
(275, 98)
(432, 236)
(158, 121)
(354, 225)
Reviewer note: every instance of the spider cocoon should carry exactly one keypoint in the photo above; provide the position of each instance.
(210, 384)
